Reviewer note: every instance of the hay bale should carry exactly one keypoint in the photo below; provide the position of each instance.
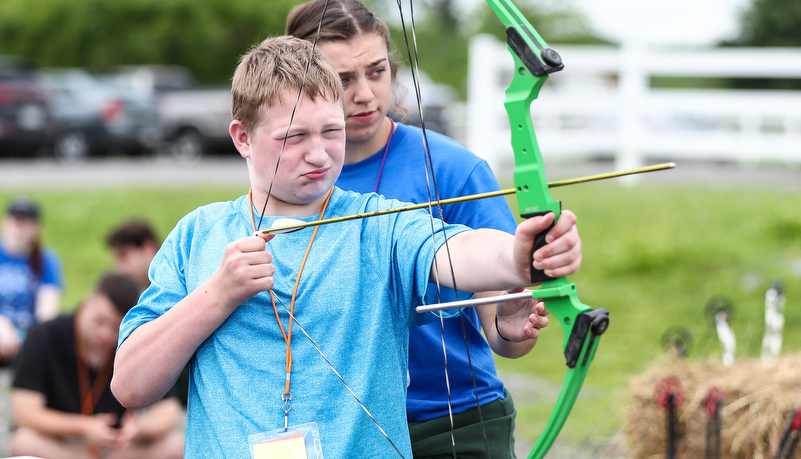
(759, 399)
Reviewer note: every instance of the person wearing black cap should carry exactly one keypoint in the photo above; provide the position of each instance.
(31, 276)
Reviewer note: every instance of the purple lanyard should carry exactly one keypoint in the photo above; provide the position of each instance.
(386, 150)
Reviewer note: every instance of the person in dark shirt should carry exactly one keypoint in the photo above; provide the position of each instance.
(133, 244)
(61, 400)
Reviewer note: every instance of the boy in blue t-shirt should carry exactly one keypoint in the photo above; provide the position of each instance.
(298, 342)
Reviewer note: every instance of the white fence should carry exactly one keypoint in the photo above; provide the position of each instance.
(601, 105)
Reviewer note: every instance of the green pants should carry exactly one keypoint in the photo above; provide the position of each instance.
(432, 439)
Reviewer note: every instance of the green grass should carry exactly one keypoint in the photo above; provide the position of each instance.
(653, 256)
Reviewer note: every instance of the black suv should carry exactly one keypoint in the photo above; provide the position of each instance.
(26, 125)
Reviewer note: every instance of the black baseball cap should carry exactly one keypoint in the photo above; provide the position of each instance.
(24, 207)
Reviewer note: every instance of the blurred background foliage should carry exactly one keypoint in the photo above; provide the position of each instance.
(208, 36)
(770, 23)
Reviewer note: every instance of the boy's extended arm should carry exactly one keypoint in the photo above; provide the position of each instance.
(150, 360)
(493, 260)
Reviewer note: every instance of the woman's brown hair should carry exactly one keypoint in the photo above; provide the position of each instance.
(344, 20)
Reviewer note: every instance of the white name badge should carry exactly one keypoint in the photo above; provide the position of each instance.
(297, 442)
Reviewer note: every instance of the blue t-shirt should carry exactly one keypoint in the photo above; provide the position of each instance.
(19, 285)
(356, 300)
(458, 172)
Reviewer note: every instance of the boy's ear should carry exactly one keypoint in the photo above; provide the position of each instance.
(240, 137)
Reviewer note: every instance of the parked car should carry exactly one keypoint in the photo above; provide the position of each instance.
(97, 119)
(436, 98)
(194, 119)
(26, 125)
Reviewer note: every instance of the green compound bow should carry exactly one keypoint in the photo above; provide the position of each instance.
(581, 325)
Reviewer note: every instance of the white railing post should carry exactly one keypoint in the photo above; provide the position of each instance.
(632, 91)
(487, 131)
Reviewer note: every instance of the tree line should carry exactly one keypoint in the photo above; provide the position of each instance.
(208, 36)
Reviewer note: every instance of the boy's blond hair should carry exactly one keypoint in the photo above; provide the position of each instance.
(273, 66)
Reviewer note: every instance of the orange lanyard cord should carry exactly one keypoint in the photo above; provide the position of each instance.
(252, 216)
(90, 393)
(288, 335)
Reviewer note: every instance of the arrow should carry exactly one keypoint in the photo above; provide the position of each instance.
(298, 225)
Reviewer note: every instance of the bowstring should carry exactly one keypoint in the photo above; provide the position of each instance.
(414, 64)
(342, 379)
(275, 175)
(261, 217)
(292, 116)
(429, 166)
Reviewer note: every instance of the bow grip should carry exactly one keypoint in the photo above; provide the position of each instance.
(538, 275)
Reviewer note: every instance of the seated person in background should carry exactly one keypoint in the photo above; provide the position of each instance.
(30, 276)
(133, 245)
(61, 400)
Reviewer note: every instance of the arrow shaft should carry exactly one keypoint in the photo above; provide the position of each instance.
(472, 197)
(526, 294)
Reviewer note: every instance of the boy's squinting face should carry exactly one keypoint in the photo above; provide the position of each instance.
(312, 157)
